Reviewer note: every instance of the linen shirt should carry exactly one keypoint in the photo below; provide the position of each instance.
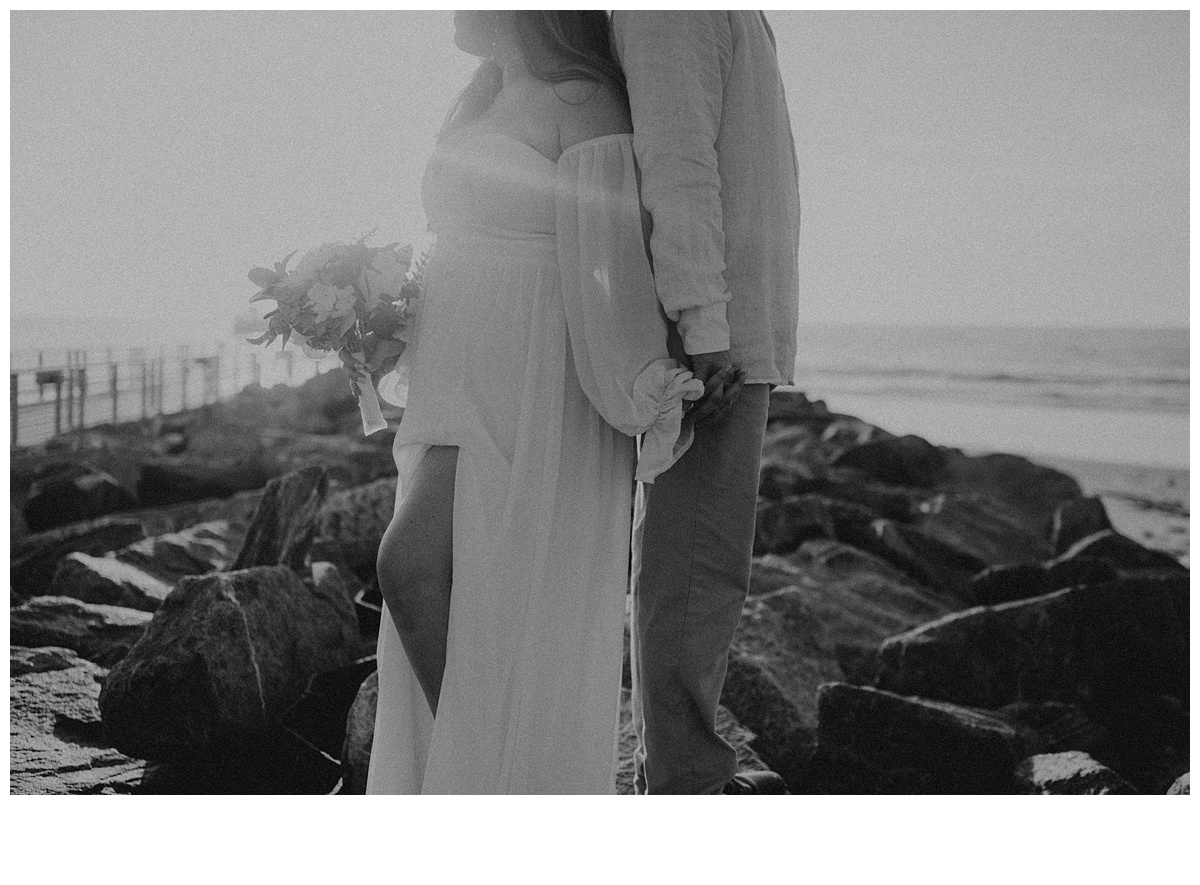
(719, 178)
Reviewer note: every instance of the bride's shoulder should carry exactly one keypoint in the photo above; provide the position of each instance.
(588, 109)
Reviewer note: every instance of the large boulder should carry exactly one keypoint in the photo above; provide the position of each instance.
(73, 492)
(1077, 519)
(937, 746)
(783, 525)
(196, 550)
(1029, 491)
(176, 479)
(319, 716)
(858, 598)
(351, 524)
(100, 633)
(55, 743)
(360, 736)
(35, 558)
(927, 561)
(900, 461)
(1124, 554)
(224, 657)
(1009, 583)
(108, 581)
(980, 527)
(1069, 774)
(285, 523)
(1106, 647)
(780, 655)
(1182, 786)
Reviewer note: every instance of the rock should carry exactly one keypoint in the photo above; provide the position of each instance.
(36, 557)
(952, 749)
(100, 633)
(196, 550)
(1029, 491)
(883, 501)
(237, 510)
(17, 529)
(223, 658)
(108, 581)
(284, 524)
(318, 717)
(360, 736)
(727, 727)
(1079, 571)
(1182, 786)
(23, 660)
(900, 461)
(351, 524)
(1059, 727)
(54, 729)
(783, 479)
(789, 406)
(171, 480)
(858, 598)
(348, 460)
(1069, 774)
(979, 527)
(1105, 647)
(1124, 554)
(1009, 583)
(779, 657)
(782, 526)
(1077, 519)
(71, 492)
(925, 560)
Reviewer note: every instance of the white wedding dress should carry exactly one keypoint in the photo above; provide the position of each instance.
(540, 353)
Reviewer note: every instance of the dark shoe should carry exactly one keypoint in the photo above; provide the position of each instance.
(754, 783)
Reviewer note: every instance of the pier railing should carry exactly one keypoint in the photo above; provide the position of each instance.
(54, 392)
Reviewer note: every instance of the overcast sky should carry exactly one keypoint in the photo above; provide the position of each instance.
(956, 168)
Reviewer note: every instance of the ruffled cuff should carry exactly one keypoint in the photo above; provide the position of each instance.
(661, 388)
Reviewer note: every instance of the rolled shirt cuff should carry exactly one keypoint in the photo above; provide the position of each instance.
(704, 329)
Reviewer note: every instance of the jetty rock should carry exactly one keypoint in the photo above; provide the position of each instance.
(55, 741)
(225, 656)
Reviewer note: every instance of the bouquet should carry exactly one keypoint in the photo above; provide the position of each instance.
(350, 299)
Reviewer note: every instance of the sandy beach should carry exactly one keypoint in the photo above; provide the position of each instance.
(1149, 504)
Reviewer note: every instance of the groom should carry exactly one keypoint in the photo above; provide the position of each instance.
(719, 177)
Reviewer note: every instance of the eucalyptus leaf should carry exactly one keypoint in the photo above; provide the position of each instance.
(263, 277)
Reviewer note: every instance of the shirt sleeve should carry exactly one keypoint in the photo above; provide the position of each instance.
(674, 63)
(617, 333)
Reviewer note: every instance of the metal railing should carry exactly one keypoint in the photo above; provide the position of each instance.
(56, 392)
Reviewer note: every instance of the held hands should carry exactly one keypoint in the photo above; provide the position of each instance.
(722, 383)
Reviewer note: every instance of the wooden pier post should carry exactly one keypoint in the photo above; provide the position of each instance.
(70, 390)
(14, 411)
(112, 386)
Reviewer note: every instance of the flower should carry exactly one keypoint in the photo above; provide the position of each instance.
(308, 268)
(331, 303)
(387, 274)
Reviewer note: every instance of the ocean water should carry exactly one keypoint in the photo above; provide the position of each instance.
(1115, 395)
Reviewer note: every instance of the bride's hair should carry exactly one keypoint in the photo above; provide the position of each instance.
(557, 45)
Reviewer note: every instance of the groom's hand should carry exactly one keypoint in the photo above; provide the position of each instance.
(722, 384)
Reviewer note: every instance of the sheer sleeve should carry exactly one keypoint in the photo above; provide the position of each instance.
(617, 333)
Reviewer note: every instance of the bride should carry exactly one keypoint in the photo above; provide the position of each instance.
(540, 354)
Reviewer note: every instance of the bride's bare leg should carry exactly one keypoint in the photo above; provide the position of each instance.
(415, 565)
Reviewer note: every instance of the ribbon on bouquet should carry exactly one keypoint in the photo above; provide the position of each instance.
(368, 407)
(368, 400)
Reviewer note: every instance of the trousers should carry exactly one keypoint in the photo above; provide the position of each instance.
(693, 541)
